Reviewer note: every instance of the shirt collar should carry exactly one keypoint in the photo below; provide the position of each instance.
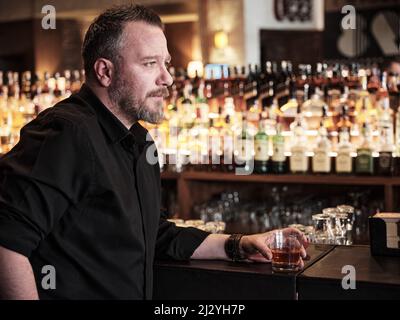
(113, 127)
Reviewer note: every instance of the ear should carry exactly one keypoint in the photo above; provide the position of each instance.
(104, 71)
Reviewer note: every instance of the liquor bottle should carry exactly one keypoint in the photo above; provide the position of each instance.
(364, 161)
(251, 98)
(244, 150)
(288, 110)
(26, 104)
(385, 163)
(283, 77)
(366, 112)
(76, 81)
(304, 77)
(278, 163)
(201, 101)
(335, 81)
(219, 87)
(394, 90)
(373, 85)
(321, 161)
(337, 104)
(261, 147)
(318, 79)
(182, 155)
(13, 103)
(313, 108)
(385, 120)
(383, 88)
(266, 94)
(270, 76)
(270, 108)
(45, 96)
(344, 122)
(353, 80)
(214, 147)
(238, 90)
(253, 116)
(344, 160)
(173, 121)
(67, 76)
(228, 108)
(186, 107)
(298, 158)
(227, 138)
(198, 144)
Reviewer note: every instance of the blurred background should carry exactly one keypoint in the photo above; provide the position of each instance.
(212, 31)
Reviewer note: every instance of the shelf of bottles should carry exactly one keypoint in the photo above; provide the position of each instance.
(23, 96)
(323, 119)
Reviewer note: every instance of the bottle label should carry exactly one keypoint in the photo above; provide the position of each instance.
(298, 160)
(364, 161)
(344, 162)
(321, 161)
(245, 149)
(385, 160)
(261, 150)
(278, 150)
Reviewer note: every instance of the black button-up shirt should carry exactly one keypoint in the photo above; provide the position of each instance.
(81, 193)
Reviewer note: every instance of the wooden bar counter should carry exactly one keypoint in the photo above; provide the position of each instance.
(321, 278)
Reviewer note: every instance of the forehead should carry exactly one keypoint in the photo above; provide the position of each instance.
(141, 39)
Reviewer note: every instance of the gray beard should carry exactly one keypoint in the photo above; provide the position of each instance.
(131, 107)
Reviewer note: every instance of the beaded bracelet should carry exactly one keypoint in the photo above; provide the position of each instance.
(232, 248)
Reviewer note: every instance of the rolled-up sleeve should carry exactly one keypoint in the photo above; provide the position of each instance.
(49, 170)
(176, 242)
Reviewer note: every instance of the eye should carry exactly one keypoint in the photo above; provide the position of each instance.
(150, 63)
(167, 64)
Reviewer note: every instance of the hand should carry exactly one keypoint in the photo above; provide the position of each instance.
(256, 248)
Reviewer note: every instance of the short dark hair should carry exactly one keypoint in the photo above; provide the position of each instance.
(102, 39)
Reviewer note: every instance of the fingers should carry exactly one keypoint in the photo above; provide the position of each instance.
(301, 263)
(256, 244)
(263, 249)
(258, 257)
(303, 252)
(301, 237)
(305, 241)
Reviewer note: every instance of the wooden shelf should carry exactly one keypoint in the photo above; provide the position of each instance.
(286, 178)
(187, 181)
(170, 175)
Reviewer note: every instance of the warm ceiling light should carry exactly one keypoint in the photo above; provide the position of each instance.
(220, 39)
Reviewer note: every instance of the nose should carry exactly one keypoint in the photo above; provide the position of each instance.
(165, 78)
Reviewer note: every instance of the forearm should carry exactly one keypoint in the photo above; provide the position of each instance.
(213, 247)
(17, 281)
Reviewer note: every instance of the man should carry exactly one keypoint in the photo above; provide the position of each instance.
(77, 192)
